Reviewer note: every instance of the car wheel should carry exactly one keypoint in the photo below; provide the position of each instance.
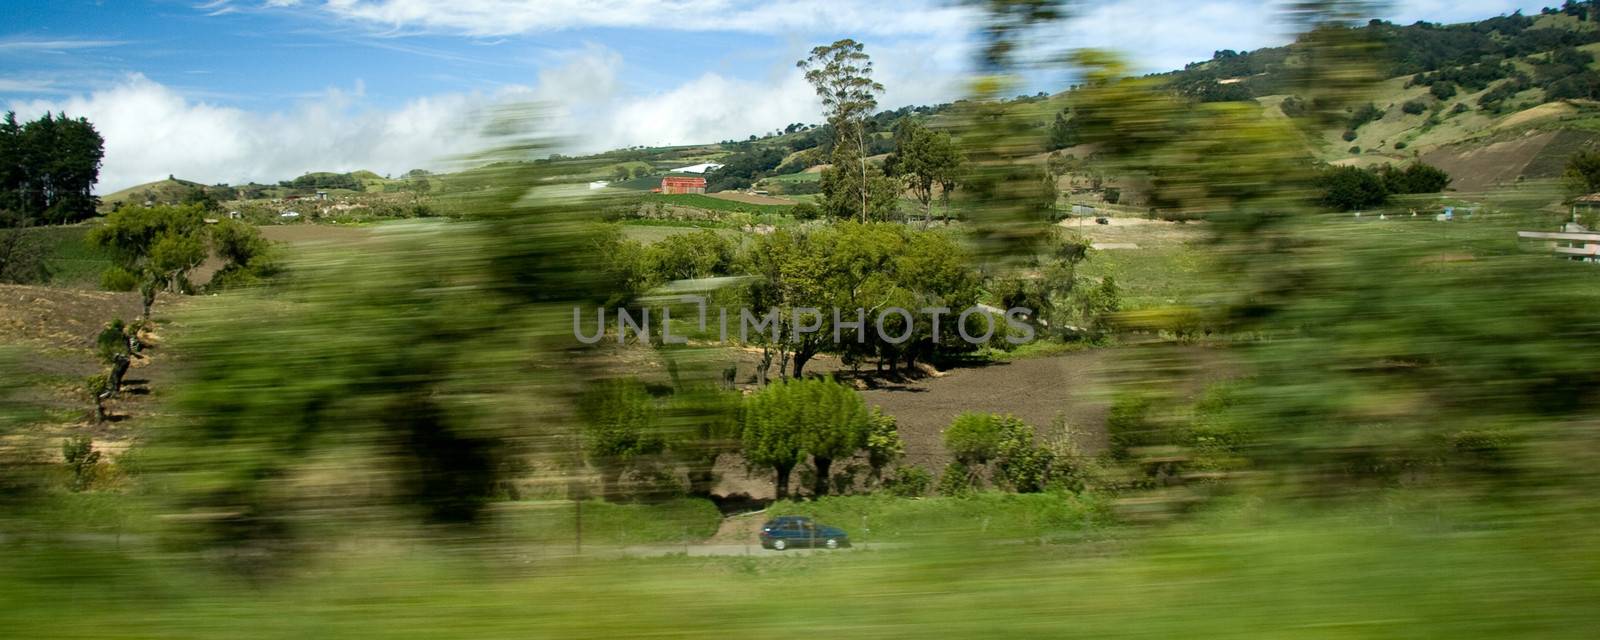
(831, 543)
(779, 545)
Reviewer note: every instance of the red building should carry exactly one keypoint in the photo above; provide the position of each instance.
(683, 184)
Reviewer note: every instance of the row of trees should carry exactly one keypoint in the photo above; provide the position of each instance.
(629, 431)
(1352, 188)
(48, 168)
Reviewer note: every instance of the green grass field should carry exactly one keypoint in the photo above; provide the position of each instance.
(1425, 572)
(72, 262)
(697, 201)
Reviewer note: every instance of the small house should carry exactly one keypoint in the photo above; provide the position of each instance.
(683, 184)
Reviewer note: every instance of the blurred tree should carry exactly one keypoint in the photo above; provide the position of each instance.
(621, 424)
(702, 423)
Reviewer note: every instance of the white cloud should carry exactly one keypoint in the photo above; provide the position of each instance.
(152, 131)
(16, 45)
(507, 17)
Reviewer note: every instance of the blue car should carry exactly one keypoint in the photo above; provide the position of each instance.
(784, 532)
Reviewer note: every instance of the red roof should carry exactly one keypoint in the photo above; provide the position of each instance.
(683, 181)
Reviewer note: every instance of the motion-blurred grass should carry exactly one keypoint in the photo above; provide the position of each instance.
(1396, 573)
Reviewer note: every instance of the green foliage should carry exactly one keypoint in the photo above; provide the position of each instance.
(790, 419)
(974, 438)
(1414, 107)
(1583, 172)
(685, 256)
(852, 266)
(118, 279)
(806, 211)
(82, 461)
(1443, 90)
(1351, 188)
(1062, 132)
(1129, 424)
(743, 168)
(957, 480)
(112, 341)
(702, 423)
(923, 159)
(908, 481)
(771, 420)
(325, 180)
(841, 73)
(24, 258)
(1020, 464)
(96, 384)
(621, 424)
(883, 443)
(1417, 177)
(1362, 115)
(158, 245)
(48, 168)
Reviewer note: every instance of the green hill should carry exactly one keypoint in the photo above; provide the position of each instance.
(169, 191)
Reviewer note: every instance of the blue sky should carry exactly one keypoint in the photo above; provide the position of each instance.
(236, 90)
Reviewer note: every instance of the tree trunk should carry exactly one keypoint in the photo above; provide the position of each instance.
(119, 368)
(783, 479)
(861, 149)
(801, 357)
(783, 364)
(766, 365)
(820, 488)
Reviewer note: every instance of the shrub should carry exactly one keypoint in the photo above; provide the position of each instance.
(957, 480)
(112, 341)
(1400, 145)
(806, 211)
(1443, 90)
(1414, 107)
(118, 279)
(82, 460)
(1351, 188)
(908, 482)
(974, 438)
(1416, 178)
(1021, 464)
(883, 443)
(22, 256)
(96, 384)
(1364, 114)
(1459, 108)
(1349, 135)
(1355, 151)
